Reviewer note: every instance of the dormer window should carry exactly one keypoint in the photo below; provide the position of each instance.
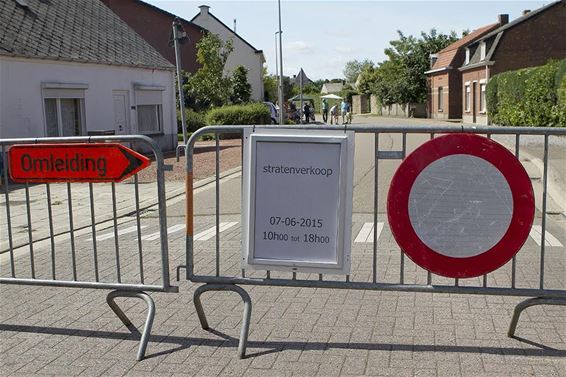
(467, 55)
(482, 51)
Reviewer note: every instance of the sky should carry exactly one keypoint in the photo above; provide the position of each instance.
(321, 36)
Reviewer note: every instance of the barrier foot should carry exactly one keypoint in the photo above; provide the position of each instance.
(247, 311)
(110, 299)
(179, 268)
(528, 303)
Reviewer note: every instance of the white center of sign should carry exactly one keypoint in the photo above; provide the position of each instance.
(460, 206)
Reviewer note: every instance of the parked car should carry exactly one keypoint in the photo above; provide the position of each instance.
(274, 113)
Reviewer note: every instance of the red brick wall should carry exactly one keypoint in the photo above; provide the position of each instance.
(533, 42)
(438, 80)
(155, 27)
(471, 76)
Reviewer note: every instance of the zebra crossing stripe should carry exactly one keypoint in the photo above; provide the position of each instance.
(170, 230)
(366, 233)
(549, 239)
(108, 236)
(211, 232)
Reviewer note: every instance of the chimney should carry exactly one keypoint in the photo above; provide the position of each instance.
(526, 11)
(433, 59)
(234, 25)
(503, 19)
(204, 10)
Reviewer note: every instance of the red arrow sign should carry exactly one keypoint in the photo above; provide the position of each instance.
(74, 162)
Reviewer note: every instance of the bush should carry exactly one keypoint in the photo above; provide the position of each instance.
(529, 97)
(194, 121)
(253, 113)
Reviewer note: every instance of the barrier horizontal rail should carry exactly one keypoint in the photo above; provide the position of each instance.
(220, 281)
(84, 263)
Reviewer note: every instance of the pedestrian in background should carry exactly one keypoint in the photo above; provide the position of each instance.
(334, 114)
(307, 112)
(344, 110)
(325, 111)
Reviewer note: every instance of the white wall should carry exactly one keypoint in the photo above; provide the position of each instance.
(21, 101)
(242, 54)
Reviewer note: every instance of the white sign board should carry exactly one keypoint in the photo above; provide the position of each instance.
(298, 200)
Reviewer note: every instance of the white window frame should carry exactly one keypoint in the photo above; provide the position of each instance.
(59, 91)
(146, 95)
(483, 51)
(482, 97)
(467, 96)
(467, 55)
(440, 98)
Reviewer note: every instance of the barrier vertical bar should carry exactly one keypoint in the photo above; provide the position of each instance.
(72, 231)
(543, 225)
(8, 216)
(402, 266)
(138, 224)
(93, 228)
(375, 206)
(30, 236)
(51, 235)
(189, 222)
(514, 261)
(428, 273)
(217, 199)
(116, 242)
(162, 205)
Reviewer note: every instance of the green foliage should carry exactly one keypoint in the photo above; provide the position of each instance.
(269, 86)
(347, 92)
(353, 68)
(529, 97)
(253, 113)
(241, 88)
(208, 87)
(193, 119)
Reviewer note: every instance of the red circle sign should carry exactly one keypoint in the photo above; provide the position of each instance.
(460, 205)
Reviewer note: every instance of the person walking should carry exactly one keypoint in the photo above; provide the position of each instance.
(307, 112)
(325, 110)
(344, 111)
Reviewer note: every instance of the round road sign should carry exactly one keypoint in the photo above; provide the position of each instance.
(460, 205)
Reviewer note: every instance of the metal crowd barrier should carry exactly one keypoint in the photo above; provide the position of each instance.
(219, 281)
(81, 265)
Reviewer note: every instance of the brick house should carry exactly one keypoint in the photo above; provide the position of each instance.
(444, 80)
(528, 41)
(155, 26)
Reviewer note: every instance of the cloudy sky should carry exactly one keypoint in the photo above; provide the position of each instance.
(321, 36)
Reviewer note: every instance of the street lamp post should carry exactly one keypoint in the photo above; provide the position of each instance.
(281, 107)
(277, 67)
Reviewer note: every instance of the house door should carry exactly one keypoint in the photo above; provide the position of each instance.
(121, 124)
(474, 84)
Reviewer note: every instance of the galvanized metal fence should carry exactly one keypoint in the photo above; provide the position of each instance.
(506, 281)
(45, 227)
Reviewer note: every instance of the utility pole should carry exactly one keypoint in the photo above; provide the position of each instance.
(281, 107)
(179, 35)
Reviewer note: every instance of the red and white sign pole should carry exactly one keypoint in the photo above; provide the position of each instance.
(460, 205)
(85, 162)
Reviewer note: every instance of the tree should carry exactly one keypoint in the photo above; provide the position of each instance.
(208, 86)
(270, 84)
(353, 68)
(241, 88)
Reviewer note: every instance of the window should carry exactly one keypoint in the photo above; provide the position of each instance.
(440, 98)
(467, 55)
(64, 109)
(149, 108)
(482, 51)
(467, 98)
(482, 97)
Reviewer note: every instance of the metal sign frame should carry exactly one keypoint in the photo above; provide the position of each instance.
(341, 262)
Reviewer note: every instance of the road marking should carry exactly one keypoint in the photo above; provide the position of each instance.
(170, 230)
(366, 233)
(108, 236)
(549, 239)
(211, 232)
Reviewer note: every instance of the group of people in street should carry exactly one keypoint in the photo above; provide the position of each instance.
(344, 109)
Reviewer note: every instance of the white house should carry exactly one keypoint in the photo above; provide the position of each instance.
(331, 88)
(243, 54)
(68, 68)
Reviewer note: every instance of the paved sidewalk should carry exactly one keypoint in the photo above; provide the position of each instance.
(294, 331)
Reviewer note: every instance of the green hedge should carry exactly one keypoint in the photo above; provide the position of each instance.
(253, 113)
(529, 97)
(194, 120)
